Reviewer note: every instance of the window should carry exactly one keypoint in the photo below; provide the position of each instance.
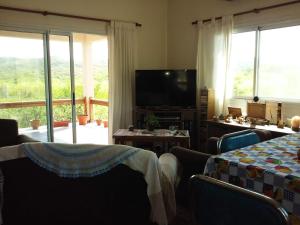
(276, 72)
(242, 66)
(24, 93)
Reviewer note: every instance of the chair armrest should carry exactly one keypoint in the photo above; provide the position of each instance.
(263, 135)
(23, 139)
(212, 145)
(192, 161)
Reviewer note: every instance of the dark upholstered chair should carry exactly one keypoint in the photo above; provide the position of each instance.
(192, 162)
(214, 202)
(9, 134)
(237, 140)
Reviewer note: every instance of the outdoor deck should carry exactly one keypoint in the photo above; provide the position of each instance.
(90, 133)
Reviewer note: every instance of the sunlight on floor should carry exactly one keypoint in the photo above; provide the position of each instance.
(90, 133)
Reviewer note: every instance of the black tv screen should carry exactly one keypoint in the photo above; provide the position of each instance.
(165, 88)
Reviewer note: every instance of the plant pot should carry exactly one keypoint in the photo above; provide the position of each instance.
(98, 121)
(64, 123)
(35, 124)
(82, 119)
(105, 123)
(150, 128)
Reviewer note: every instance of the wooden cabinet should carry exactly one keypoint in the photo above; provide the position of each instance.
(184, 119)
(206, 112)
(207, 104)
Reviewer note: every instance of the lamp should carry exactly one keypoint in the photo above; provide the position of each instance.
(295, 123)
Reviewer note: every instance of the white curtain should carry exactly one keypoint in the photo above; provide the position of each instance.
(121, 41)
(213, 54)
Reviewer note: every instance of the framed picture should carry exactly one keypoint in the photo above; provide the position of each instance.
(235, 112)
(256, 110)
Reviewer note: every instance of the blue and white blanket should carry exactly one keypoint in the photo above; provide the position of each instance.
(86, 160)
(80, 160)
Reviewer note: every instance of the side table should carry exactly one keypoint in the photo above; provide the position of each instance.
(181, 137)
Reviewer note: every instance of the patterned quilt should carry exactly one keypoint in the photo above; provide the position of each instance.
(270, 167)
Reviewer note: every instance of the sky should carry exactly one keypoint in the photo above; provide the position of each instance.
(33, 48)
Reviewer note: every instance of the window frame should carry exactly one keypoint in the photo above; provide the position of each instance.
(256, 61)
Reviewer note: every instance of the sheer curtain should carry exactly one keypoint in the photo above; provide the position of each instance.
(121, 41)
(213, 54)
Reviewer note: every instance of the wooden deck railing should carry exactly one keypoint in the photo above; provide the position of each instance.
(87, 103)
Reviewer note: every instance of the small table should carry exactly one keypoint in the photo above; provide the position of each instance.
(181, 137)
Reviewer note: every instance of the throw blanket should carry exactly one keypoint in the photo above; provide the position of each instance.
(82, 160)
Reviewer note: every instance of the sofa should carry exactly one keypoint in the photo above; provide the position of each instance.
(33, 195)
(9, 134)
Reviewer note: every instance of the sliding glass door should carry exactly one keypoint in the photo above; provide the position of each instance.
(48, 83)
(22, 82)
(61, 87)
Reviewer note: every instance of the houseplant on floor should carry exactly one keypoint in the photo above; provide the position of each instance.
(36, 122)
(82, 118)
(62, 114)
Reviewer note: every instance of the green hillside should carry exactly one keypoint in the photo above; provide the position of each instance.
(23, 80)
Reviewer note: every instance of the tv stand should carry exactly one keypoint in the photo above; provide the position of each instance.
(183, 118)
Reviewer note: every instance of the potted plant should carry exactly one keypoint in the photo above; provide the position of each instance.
(151, 122)
(105, 123)
(36, 122)
(82, 118)
(99, 122)
(61, 116)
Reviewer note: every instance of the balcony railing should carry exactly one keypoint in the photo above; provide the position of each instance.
(88, 104)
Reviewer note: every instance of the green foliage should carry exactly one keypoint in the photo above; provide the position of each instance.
(100, 112)
(243, 83)
(151, 121)
(23, 80)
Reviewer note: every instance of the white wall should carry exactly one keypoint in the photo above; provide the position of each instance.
(182, 35)
(152, 36)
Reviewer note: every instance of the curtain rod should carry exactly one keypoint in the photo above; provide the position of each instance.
(253, 11)
(46, 13)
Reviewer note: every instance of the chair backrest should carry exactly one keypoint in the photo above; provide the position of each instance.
(237, 140)
(8, 132)
(218, 203)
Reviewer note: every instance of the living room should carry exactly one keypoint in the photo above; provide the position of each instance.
(167, 38)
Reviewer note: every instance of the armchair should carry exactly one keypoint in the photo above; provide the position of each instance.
(9, 134)
(191, 162)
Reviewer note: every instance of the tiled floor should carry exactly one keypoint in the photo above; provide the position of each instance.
(90, 133)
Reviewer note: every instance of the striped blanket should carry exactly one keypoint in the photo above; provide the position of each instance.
(86, 160)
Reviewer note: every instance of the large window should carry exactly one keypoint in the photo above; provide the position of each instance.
(266, 63)
(38, 93)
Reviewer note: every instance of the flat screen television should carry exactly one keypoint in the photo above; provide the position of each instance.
(165, 88)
